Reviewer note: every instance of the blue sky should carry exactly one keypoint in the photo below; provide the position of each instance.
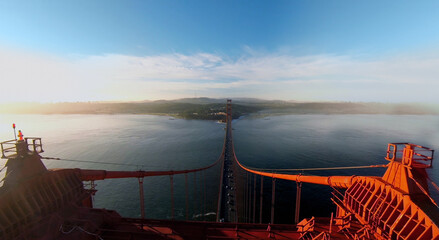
(293, 50)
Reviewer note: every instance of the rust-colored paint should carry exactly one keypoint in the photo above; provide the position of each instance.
(396, 206)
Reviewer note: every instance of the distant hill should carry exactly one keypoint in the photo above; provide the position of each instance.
(350, 108)
(213, 109)
(201, 100)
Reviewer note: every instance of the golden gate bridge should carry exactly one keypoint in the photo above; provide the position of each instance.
(37, 203)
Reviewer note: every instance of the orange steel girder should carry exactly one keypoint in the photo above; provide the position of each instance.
(396, 206)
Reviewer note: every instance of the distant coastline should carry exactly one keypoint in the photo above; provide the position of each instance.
(214, 109)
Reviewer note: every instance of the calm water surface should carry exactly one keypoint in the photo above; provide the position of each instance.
(157, 143)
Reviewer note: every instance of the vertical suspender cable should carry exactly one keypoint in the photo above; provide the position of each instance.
(254, 198)
(204, 195)
(250, 197)
(250, 201)
(298, 193)
(261, 194)
(195, 194)
(142, 201)
(246, 197)
(187, 195)
(273, 193)
(242, 192)
(171, 177)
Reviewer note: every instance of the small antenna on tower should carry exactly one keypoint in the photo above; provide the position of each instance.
(15, 134)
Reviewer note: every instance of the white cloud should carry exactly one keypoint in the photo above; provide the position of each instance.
(27, 76)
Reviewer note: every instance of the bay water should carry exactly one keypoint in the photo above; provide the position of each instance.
(149, 142)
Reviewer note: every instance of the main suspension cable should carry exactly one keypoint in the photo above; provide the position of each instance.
(97, 162)
(313, 169)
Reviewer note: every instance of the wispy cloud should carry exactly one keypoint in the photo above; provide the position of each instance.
(27, 76)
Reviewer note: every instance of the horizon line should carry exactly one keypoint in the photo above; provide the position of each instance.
(215, 98)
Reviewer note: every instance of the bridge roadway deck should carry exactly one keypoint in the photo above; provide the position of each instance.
(227, 211)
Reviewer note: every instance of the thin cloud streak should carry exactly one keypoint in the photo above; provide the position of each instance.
(28, 76)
